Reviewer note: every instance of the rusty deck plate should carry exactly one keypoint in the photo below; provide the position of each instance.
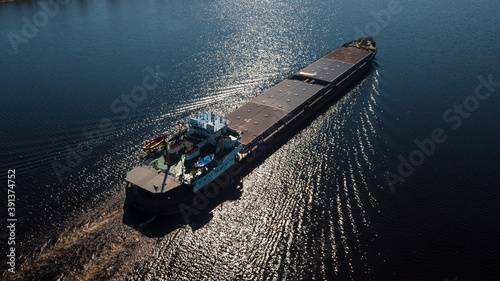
(348, 54)
(252, 119)
(258, 115)
(297, 97)
(325, 69)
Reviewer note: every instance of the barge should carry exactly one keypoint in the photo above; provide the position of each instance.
(173, 170)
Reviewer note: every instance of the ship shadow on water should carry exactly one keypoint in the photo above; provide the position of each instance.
(197, 214)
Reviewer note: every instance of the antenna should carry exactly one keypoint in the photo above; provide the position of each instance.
(359, 44)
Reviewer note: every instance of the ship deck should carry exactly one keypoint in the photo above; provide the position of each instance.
(264, 111)
(155, 176)
(152, 180)
(262, 114)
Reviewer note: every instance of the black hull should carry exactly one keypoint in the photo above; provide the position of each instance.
(152, 204)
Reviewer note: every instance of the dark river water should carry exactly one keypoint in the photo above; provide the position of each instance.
(397, 180)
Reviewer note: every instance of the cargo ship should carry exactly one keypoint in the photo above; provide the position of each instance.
(172, 170)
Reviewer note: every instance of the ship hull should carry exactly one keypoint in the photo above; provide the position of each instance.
(157, 204)
(272, 117)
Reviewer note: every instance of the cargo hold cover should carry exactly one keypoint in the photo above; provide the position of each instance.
(265, 110)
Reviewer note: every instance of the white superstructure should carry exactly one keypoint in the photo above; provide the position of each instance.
(208, 125)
